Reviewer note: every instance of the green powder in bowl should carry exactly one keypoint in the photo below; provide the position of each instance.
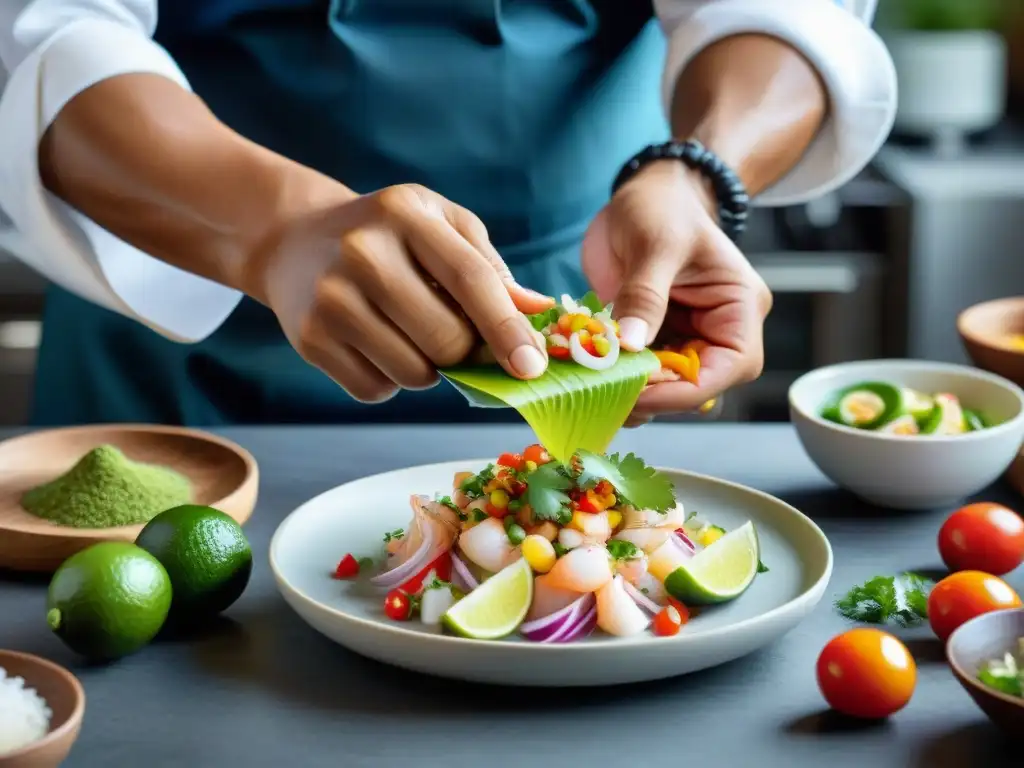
(106, 489)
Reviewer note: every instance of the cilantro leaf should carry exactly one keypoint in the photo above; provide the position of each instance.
(542, 320)
(761, 567)
(473, 486)
(591, 302)
(902, 599)
(395, 534)
(634, 482)
(620, 549)
(546, 494)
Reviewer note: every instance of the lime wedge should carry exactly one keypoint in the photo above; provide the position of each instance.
(719, 573)
(497, 607)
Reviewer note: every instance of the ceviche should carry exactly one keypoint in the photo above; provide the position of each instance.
(555, 550)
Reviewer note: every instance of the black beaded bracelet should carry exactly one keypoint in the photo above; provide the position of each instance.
(732, 197)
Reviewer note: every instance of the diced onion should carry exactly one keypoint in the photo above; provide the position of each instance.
(555, 626)
(584, 358)
(462, 576)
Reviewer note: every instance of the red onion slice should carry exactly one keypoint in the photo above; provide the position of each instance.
(463, 577)
(681, 535)
(583, 629)
(640, 598)
(419, 560)
(548, 628)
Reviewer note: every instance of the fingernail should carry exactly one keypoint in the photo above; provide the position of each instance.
(633, 332)
(533, 293)
(528, 361)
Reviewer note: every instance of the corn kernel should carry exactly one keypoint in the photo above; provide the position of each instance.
(608, 501)
(499, 499)
(708, 406)
(578, 322)
(579, 520)
(710, 535)
(614, 518)
(601, 345)
(530, 465)
(539, 553)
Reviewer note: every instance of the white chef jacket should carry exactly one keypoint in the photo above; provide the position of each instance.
(51, 50)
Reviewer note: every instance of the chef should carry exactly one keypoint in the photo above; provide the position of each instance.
(257, 211)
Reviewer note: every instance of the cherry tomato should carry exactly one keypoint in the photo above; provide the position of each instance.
(536, 454)
(962, 596)
(559, 353)
(511, 460)
(667, 622)
(442, 568)
(397, 605)
(982, 537)
(866, 673)
(347, 568)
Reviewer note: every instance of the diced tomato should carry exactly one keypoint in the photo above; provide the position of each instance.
(603, 488)
(536, 454)
(398, 605)
(494, 511)
(516, 487)
(585, 504)
(589, 348)
(347, 568)
(441, 566)
(559, 353)
(511, 460)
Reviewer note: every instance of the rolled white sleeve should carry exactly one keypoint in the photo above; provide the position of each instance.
(836, 37)
(51, 50)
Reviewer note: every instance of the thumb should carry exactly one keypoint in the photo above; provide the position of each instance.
(642, 301)
(526, 300)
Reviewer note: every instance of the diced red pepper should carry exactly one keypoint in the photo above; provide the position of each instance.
(516, 487)
(348, 568)
(603, 488)
(584, 504)
(589, 348)
(398, 605)
(497, 512)
(559, 353)
(511, 460)
(441, 566)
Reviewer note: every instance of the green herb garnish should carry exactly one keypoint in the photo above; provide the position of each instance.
(622, 550)
(560, 548)
(392, 535)
(635, 483)
(473, 486)
(901, 599)
(479, 516)
(546, 493)
(761, 567)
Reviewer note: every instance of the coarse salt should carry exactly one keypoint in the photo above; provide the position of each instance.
(24, 715)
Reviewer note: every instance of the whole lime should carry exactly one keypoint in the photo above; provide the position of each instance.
(206, 554)
(108, 600)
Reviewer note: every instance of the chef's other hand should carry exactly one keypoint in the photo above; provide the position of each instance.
(380, 291)
(657, 252)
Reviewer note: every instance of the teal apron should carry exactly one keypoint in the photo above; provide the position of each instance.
(520, 110)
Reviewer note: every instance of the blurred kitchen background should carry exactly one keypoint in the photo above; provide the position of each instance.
(880, 268)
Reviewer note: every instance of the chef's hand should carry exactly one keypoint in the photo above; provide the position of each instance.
(380, 291)
(657, 252)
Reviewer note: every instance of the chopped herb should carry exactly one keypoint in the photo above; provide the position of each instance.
(446, 501)
(689, 516)
(559, 547)
(542, 320)
(366, 562)
(1004, 683)
(902, 599)
(635, 483)
(645, 590)
(473, 486)
(392, 535)
(761, 567)
(546, 494)
(437, 583)
(479, 516)
(515, 505)
(622, 550)
(591, 302)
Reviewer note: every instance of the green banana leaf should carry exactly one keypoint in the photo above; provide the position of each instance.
(570, 407)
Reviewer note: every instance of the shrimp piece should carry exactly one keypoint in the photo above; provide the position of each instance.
(487, 545)
(596, 528)
(633, 518)
(584, 569)
(652, 588)
(548, 599)
(617, 613)
(427, 515)
(647, 539)
(632, 570)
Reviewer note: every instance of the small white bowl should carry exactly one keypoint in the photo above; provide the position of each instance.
(910, 472)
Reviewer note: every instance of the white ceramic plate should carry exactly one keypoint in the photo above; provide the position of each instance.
(354, 517)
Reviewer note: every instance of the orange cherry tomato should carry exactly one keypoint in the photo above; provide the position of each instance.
(536, 454)
(962, 596)
(667, 622)
(982, 537)
(866, 673)
(684, 612)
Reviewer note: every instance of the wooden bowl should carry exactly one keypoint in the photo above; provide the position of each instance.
(65, 698)
(979, 640)
(985, 329)
(223, 474)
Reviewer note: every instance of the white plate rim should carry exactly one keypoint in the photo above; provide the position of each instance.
(811, 594)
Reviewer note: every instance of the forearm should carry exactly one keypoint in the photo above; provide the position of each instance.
(147, 160)
(755, 101)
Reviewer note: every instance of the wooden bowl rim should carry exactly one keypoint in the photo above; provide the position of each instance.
(248, 460)
(963, 320)
(74, 720)
(971, 680)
